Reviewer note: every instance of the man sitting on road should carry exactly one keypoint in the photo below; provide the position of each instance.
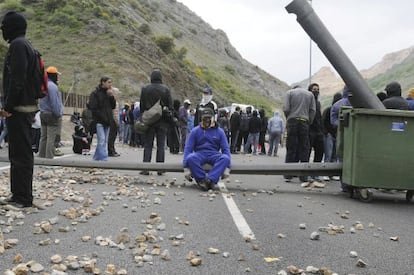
(206, 144)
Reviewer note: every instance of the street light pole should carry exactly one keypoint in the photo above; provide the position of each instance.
(310, 55)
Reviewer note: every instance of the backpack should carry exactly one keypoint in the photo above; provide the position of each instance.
(39, 76)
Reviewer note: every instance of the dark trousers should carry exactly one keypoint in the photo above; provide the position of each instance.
(160, 133)
(234, 139)
(262, 142)
(35, 139)
(243, 135)
(21, 157)
(317, 144)
(297, 142)
(113, 131)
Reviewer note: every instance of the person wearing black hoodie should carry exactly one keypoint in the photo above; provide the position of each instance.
(150, 94)
(394, 99)
(19, 106)
(316, 129)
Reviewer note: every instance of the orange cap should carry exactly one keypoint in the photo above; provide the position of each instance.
(52, 70)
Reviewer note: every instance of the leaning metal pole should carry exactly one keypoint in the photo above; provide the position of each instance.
(362, 96)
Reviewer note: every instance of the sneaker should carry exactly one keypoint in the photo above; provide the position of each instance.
(58, 153)
(325, 178)
(19, 205)
(189, 177)
(204, 184)
(160, 173)
(226, 174)
(6, 200)
(145, 173)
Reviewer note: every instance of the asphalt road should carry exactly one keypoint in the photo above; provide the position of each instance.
(253, 222)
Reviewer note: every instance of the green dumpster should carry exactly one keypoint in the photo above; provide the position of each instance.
(377, 148)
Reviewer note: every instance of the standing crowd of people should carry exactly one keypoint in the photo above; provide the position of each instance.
(205, 135)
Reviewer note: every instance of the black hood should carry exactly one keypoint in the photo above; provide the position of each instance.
(393, 89)
(156, 76)
(13, 25)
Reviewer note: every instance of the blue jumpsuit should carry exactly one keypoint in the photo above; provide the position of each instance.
(209, 146)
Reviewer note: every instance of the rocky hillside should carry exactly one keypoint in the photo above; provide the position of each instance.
(87, 39)
(397, 66)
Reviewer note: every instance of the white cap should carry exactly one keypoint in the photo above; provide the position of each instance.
(187, 101)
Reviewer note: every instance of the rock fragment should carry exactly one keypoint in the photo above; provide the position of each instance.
(314, 236)
(195, 261)
(361, 263)
(212, 250)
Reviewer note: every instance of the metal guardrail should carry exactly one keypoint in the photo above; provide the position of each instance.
(299, 169)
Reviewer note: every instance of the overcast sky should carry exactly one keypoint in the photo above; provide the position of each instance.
(266, 35)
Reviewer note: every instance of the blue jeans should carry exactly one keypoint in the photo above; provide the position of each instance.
(101, 151)
(274, 141)
(4, 132)
(330, 148)
(252, 139)
(127, 133)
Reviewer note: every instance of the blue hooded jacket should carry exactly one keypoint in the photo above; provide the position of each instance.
(210, 140)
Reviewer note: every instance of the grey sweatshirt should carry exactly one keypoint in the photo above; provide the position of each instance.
(299, 103)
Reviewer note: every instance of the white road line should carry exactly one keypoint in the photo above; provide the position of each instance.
(237, 216)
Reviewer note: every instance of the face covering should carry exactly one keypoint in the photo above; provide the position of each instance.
(206, 122)
(206, 99)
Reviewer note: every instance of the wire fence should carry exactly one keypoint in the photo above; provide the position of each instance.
(74, 100)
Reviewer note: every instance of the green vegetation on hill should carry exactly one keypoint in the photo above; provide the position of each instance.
(403, 73)
(86, 39)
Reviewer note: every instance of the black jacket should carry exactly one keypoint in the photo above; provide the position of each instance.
(396, 102)
(101, 105)
(316, 127)
(255, 124)
(155, 91)
(235, 121)
(17, 89)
